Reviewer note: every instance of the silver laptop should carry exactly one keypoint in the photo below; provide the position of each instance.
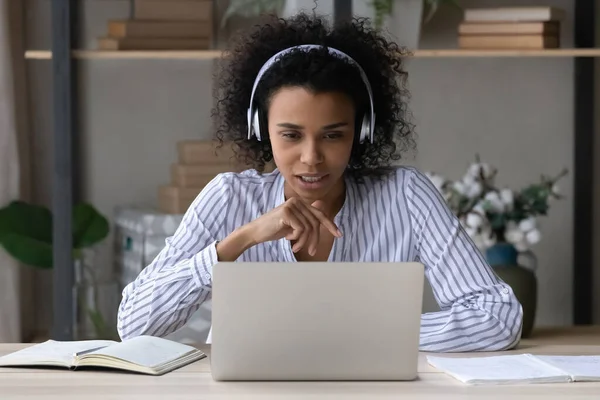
(316, 321)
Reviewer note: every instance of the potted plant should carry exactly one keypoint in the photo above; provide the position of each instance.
(402, 18)
(26, 234)
(503, 224)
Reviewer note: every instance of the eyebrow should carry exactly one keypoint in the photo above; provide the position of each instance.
(294, 126)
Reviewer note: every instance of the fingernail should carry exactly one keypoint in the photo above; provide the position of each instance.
(339, 232)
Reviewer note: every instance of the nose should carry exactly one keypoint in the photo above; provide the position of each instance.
(311, 153)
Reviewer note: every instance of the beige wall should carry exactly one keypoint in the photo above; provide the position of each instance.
(515, 112)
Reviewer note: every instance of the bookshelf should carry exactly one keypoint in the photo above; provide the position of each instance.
(213, 54)
(65, 183)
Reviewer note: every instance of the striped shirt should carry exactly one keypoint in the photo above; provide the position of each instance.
(399, 218)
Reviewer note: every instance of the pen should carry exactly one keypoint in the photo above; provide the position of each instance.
(87, 351)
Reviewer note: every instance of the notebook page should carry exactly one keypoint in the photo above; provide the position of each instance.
(522, 368)
(576, 366)
(147, 351)
(51, 351)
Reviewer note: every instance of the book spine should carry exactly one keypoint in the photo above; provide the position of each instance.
(513, 28)
(508, 42)
(502, 14)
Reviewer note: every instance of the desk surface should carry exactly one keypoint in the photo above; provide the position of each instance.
(195, 382)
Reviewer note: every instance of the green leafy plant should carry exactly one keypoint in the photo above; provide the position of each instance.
(26, 231)
(26, 234)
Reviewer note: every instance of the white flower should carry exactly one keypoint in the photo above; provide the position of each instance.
(468, 186)
(472, 232)
(521, 246)
(479, 208)
(479, 241)
(469, 179)
(555, 189)
(460, 187)
(527, 224)
(437, 180)
(513, 234)
(533, 236)
(474, 220)
(494, 201)
(507, 197)
(474, 190)
(484, 238)
(489, 240)
(479, 170)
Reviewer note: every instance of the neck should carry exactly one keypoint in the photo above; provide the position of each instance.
(333, 200)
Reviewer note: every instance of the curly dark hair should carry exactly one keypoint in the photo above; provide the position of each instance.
(319, 72)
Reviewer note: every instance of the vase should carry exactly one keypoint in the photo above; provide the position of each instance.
(504, 260)
(94, 301)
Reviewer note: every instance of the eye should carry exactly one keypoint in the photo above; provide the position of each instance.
(290, 135)
(333, 135)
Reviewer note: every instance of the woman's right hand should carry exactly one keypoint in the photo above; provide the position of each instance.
(294, 220)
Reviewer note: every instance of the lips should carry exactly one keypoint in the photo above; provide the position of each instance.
(311, 178)
(312, 181)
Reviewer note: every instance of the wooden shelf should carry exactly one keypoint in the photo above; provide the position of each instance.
(212, 54)
(509, 53)
(130, 54)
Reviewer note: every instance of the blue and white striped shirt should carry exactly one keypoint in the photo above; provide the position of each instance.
(401, 217)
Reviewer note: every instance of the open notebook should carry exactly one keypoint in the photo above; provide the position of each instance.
(519, 369)
(143, 354)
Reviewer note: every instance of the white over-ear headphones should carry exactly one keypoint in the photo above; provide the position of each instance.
(368, 121)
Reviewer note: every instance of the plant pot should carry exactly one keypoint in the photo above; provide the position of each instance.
(503, 258)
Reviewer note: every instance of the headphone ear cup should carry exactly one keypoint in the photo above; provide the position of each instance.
(365, 129)
(256, 125)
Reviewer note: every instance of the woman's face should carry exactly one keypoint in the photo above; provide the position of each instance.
(311, 137)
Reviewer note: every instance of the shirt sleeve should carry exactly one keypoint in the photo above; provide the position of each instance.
(479, 312)
(170, 289)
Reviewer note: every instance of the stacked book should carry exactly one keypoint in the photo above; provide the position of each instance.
(510, 28)
(162, 25)
(198, 162)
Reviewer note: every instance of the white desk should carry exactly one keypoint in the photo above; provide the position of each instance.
(194, 381)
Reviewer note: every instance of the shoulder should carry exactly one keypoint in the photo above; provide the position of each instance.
(227, 189)
(404, 180)
(413, 186)
(249, 179)
(229, 184)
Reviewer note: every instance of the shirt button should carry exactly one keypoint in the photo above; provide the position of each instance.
(505, 290)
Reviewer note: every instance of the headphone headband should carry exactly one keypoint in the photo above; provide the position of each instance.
(368, 128)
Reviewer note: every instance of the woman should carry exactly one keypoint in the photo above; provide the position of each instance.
(305, 97)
